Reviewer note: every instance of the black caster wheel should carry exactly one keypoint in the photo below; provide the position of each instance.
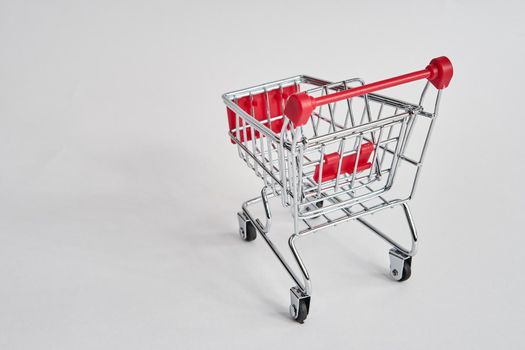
(300, 313)
(407, 270)
(247, 230)
(300, 304)
(400, 265)
(316, 206)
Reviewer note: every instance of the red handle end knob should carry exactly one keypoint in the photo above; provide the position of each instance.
(298, 108)
(441, 72)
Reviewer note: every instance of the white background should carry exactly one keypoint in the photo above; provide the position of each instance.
(119, 187)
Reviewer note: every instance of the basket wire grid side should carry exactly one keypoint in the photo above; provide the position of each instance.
(392, 129)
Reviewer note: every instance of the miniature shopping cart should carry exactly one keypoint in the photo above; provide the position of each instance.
(331, 152)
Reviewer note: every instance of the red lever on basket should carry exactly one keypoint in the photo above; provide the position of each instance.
(331, 163)
(300, 106)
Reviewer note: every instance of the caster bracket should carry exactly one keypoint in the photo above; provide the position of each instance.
(246, 228)
(400, 265)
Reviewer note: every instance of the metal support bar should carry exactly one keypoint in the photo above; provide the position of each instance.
(413, 232)
(304, 286)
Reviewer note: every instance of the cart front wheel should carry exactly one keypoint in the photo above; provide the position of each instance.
(299, 314)
(400, 265)
(407, 271)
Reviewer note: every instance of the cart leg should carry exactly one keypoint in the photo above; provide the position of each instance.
(300, 293)
(400, 257)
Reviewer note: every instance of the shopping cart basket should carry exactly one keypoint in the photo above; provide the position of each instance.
(331, 152)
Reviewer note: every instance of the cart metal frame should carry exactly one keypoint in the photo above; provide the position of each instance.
(287, 146)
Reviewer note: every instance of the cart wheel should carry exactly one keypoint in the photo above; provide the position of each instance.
(301, 314)
(407, 270)
(400, 265)
(250, 234)
(246, 228)
(315, 206)
(299, 304)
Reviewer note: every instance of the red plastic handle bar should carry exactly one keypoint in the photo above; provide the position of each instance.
(300, 106)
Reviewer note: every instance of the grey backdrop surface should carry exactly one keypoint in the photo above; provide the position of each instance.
(119, 188)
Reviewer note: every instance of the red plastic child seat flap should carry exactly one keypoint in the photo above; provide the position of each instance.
(257, 106)
(331, 163)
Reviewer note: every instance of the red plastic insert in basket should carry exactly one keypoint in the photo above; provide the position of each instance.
(257, 107)
(331, 163)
